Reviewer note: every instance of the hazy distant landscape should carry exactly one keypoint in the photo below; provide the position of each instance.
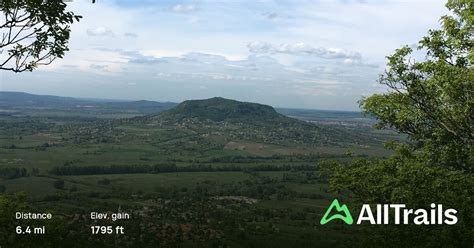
(164, 162)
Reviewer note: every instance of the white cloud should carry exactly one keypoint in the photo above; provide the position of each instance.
(302, 49)
(100, 31)
(358, 62)
(98, 67)
(184, 8)
(138, 58)
(131, 35)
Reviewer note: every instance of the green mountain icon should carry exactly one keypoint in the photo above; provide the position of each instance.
(347, 217)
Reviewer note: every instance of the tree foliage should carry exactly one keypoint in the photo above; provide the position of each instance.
(33, 33)
(431, 100)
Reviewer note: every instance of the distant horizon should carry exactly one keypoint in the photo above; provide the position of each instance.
(159, 101)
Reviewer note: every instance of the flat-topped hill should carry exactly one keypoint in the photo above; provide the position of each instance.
(221, 109)
(231, 120)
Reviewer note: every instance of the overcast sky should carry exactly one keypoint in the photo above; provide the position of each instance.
(299, 54)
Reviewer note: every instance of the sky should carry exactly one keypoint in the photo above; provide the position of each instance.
(296, 54)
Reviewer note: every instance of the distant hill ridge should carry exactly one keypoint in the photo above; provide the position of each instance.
(221, 109)
(9, 99)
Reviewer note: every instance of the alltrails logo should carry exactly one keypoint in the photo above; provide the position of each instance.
(347, 217)
(401, 215)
